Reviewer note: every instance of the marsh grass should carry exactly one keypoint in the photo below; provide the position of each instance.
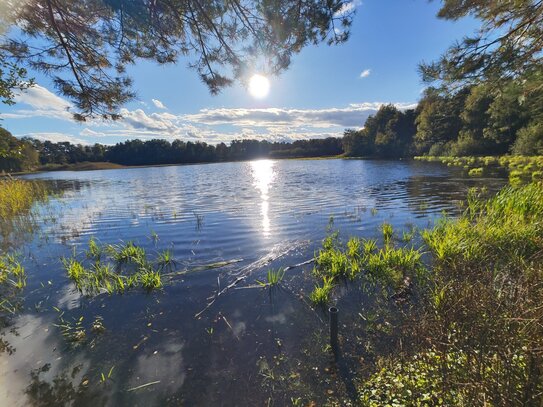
(127, 253)
(477, 328)
(464, 326)
(94, 251)
(18, 210)
(117, 268)
(104, 378)
(389, 266)
(321, 293)
(18, 196)
(407, 236)
(149, 278)
(392, 266)
(388, 232)
(74, 330)
(12, 281)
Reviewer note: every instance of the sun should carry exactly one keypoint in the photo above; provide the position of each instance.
(259, 86)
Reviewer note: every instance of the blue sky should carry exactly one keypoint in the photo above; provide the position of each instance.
(325, 90)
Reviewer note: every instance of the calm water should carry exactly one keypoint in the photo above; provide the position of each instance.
(252, 346)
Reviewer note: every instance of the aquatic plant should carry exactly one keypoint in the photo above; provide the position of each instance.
(392, 265)
(475, 171)
(150, 279)
(165, 260)
(521, 168)
(73, 331)
(123, 267)
(508, 221)
(12, 281)
(370, 246)
(127, 253)
(76, 271)
(94, 251)
(12, 273)
(407, 236)
(388, 232)
(97, 325)
(274, 277)
(354, 248)
(321, 294)
(104, 378)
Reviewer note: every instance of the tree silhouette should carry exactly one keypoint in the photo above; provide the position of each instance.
(86, 45)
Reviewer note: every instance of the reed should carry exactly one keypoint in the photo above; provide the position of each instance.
(18, 196)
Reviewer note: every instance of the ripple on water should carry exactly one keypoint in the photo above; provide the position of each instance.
(263, 214)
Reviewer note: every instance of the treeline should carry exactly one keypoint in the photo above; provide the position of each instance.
(482, 119)
(28, 154)
(475, 120)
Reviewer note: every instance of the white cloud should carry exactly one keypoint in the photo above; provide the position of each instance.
(209, 125)
(158, 104)
(353, 115)
(43, 103)
(138, 119)
(365, 73)
(86, 132)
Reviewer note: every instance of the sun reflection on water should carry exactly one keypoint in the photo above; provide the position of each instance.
(263, 177)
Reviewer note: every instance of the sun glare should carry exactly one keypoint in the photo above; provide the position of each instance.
(259, 86)
(264, 176)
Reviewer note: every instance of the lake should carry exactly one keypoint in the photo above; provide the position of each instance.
(225, 224)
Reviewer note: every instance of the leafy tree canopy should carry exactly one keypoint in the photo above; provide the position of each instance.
(86, 45)
(508, 43)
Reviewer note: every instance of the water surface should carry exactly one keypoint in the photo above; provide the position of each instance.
(252, 346)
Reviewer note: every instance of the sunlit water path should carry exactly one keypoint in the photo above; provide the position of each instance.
(252, 344)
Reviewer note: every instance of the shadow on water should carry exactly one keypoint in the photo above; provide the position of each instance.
(346, 372)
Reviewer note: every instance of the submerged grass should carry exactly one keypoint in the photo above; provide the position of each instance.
(12, 281)
(117, 268)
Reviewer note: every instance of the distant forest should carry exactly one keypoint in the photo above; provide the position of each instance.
(28, 154)
(482, 119)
